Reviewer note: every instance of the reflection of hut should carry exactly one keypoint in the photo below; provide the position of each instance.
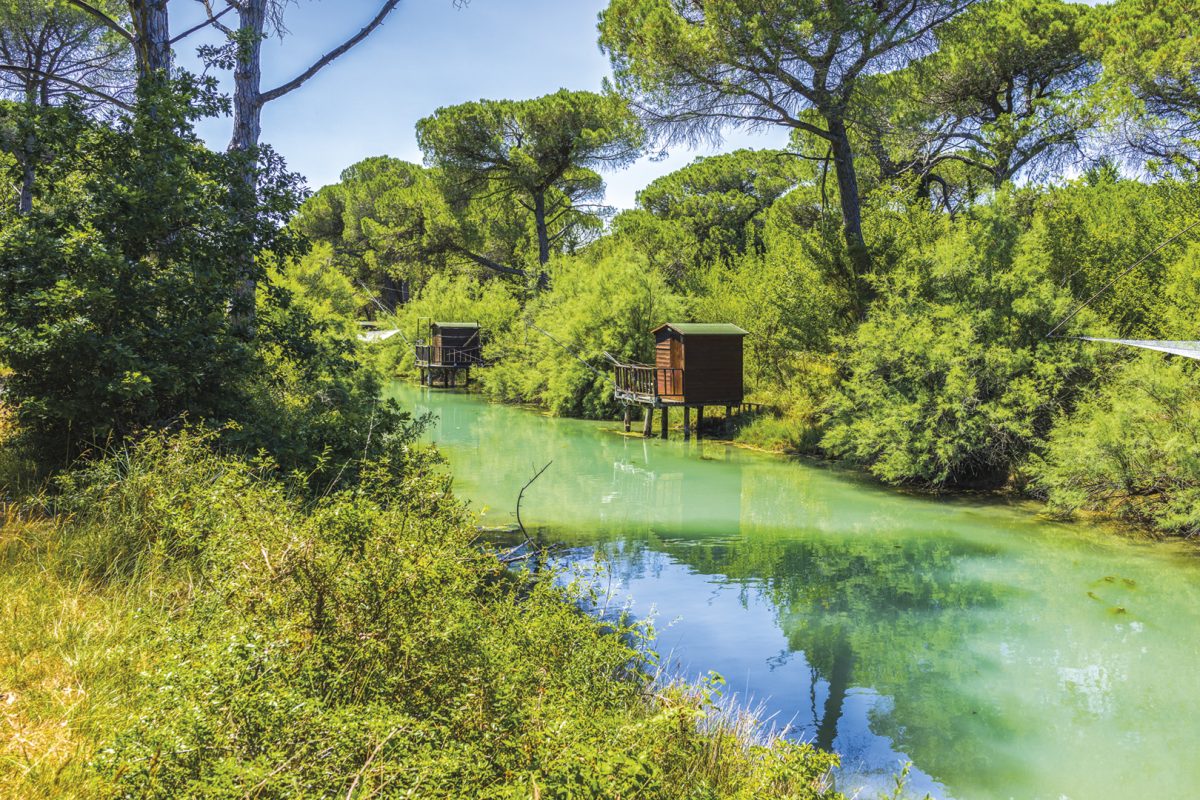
(452, 347)
(695, 365)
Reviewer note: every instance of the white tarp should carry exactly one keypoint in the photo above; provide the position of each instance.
(1185, 349)
(376, 336)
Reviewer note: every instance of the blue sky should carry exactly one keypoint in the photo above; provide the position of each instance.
(427, 54)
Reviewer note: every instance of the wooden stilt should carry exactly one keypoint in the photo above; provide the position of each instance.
(699, 422)
(628, 417)
(648, 422)
(665, 422)
(687, 423)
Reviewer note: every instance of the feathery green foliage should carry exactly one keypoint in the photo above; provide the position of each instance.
(951, 379)
(556, 356)
(1132, 449)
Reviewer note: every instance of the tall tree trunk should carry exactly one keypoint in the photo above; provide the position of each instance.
(28, 178)
(839, 685)
(543, 234)
(1002, 170)
(28, 156)
(247, 78)
(248, 101)
(247, 130)
(152, 36)
(847, 178)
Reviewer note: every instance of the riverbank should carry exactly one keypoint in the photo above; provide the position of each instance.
(773, 433)
(1003, 653)
(176, 621)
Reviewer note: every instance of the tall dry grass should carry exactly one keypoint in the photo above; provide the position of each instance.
(71, 657)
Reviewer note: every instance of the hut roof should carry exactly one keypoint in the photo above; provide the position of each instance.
(703, 329)
(456, 324)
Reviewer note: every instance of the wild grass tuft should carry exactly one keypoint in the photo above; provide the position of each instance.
(178, 623)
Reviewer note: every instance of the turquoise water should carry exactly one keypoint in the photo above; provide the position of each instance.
(1003, 655)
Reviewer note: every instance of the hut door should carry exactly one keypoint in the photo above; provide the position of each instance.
(436, 350)
(668, 358)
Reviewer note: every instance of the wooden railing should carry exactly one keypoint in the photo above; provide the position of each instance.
(644, 383)
(432, 355)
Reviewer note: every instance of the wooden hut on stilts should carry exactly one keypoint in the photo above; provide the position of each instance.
(450, 351)
(696, 365)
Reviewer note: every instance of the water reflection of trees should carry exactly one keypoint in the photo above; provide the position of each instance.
(876, 613)
(1006, 649)
(867, 601)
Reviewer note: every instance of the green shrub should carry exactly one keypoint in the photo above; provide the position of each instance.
(363, 643)
(950, 380)
(17, 470)
(1133, 449)
(1083, 235)
(115, 291)
(594, 308)
(781, 298)
(122, 309)
(796, 419)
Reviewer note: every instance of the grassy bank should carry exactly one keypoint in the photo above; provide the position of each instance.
(178, 623)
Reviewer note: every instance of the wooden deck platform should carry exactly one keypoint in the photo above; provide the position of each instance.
(663, 388)
(437, 364)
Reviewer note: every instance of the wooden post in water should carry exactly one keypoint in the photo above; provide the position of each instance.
(648, 422)
(628, 417)
(665, 422)
(687, 423)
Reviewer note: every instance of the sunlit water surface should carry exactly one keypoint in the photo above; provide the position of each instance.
(1003, 655)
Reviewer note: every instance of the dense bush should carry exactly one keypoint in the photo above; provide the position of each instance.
(1133, 449)
(121, 303)
(951, 379)
(1086, 233)
(557, 355)
(115, 291)
(16, 470)
(363, 643)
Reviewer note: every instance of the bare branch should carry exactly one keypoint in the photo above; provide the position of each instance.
(329, 57)
(521, 496)
(105, 18)
(212, 20)
(484, 261)
(66, 82)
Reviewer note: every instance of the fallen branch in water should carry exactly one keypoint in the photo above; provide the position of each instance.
(511, 556)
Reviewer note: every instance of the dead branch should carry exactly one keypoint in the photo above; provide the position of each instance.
(512, 555)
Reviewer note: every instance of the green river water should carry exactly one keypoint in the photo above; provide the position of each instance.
(1003, 655)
